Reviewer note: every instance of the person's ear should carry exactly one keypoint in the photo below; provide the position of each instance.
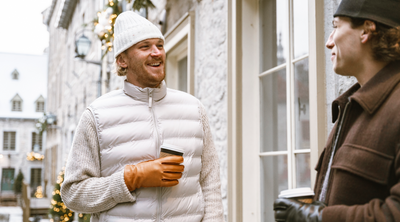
(367, 29)
(122, 60)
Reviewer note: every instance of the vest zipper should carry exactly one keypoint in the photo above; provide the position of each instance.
(159, 196)
(334, 147)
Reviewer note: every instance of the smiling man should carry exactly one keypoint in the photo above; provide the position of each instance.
(359, 170)
(114, 169)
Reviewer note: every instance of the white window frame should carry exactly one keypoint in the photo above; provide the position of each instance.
(234, 112)
(16, 141)
(179, 42)
(41, 179)
(15, 75)
(289, 67)
(37, 135)
(16, 105)
(244, 103)
(17, 98)
(37, 105)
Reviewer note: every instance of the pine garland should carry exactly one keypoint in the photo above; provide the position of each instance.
(103, 24)
(84, 217)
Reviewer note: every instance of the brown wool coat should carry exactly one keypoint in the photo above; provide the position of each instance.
(364, 182)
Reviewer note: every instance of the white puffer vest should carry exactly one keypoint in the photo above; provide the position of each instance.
(131, 125)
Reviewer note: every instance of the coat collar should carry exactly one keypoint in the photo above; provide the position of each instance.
(373, 93)
(341, 101)
(142, 94)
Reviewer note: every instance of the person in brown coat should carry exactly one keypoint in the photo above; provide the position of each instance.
(359, 170)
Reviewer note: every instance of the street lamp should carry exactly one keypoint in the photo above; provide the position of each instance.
(51, 118)
(82, 47)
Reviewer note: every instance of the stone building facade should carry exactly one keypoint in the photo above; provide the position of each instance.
(72, 83)
(218, 50)
(22, 102)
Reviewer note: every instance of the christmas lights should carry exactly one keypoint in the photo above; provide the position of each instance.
(57, 207)
(104, 22)
(34, 156)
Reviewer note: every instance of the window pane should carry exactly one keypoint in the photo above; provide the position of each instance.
(300, 21)
(5, 141)
(15, 74)
(303, 178)
(36, 177)
(16, 106)
(40, 141)
(273, 33)
(12, 141)
(39, 106)
(273, 112)
(33, 141)
(8, 140)
(36, 142)
(182, 72)
(274, 179)
(301, 104)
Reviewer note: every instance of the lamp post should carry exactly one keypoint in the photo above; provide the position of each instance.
(82, 47)
(51, 118)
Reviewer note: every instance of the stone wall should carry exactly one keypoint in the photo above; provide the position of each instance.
(175, 9)
(72, 84)
(335, 84)
(211, 75)
(17, 159)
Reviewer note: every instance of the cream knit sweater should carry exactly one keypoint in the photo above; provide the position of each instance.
(85, 191)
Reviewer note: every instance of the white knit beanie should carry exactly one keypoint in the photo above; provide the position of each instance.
(131, 28)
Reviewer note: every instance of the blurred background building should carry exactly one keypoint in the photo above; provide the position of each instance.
(260, 68)
(22, 102)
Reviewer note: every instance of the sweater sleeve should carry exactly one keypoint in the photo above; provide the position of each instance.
(374, 210)
(209, 176)
(83, 189)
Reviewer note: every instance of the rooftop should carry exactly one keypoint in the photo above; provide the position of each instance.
(29, 86)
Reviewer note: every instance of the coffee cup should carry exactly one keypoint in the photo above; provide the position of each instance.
(304, 194)
(170, 150)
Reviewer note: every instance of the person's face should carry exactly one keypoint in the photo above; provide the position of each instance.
(145, 63)
(346, 46)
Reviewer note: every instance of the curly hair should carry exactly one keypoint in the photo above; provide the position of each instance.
(385, 40)
(118, 69)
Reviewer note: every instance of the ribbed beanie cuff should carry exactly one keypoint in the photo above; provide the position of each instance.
(131, 28)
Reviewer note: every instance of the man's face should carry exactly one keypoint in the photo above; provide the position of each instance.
(145, 63)
(345, 44)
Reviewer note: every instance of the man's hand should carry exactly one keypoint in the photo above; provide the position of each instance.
(295, 211)
(162, 172)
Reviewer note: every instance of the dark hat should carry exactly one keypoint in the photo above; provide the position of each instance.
(383, 11)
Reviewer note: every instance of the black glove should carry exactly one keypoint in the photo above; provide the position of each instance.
(292, 210)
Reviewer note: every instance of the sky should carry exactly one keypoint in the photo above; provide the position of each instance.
(22, 28)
